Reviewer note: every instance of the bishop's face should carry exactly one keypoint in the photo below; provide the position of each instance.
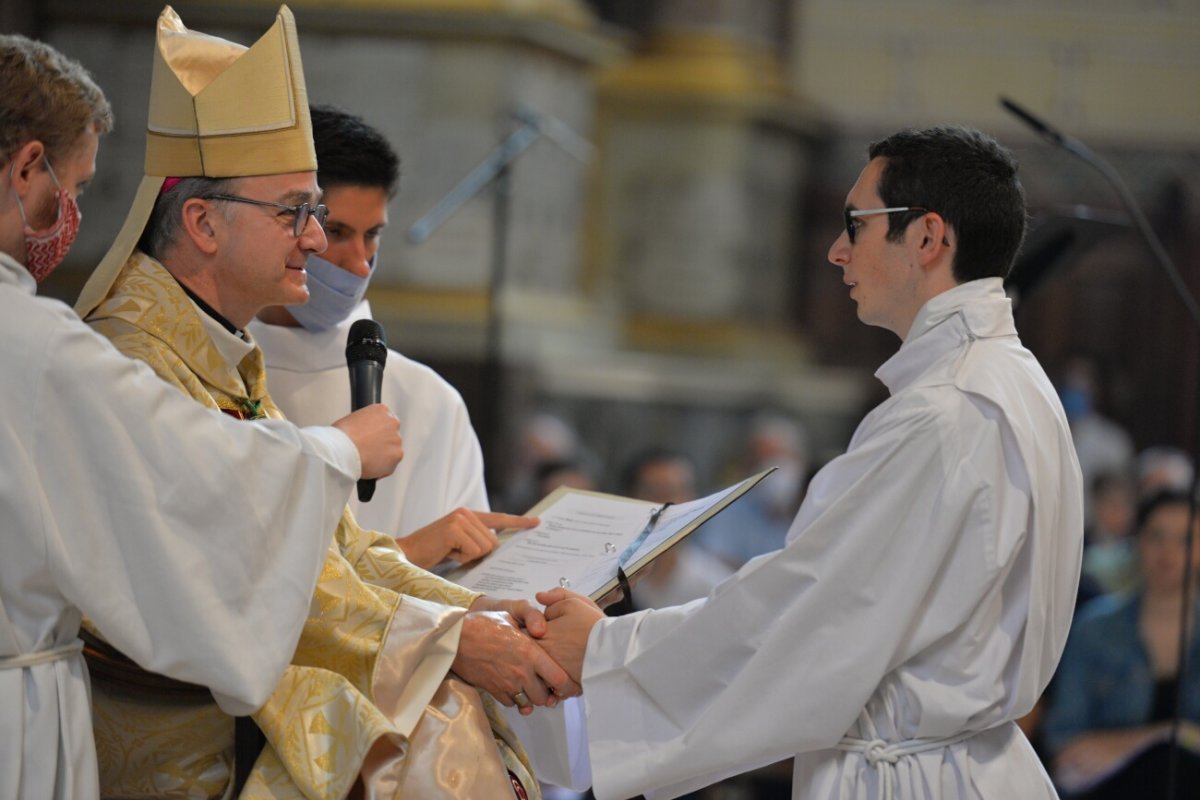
(261, 258)
(882, 275)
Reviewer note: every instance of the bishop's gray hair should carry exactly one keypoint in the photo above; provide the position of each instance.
(166, 219)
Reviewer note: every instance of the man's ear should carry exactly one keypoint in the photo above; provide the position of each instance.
(21, 167)
(932, 238)
(200, 223)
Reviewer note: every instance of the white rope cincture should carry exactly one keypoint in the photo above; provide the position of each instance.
(42, 656)
(883, 756)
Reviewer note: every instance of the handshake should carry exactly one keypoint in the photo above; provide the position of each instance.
(523, 656)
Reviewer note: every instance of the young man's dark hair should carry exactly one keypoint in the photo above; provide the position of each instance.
(967, 178)
(352, 153)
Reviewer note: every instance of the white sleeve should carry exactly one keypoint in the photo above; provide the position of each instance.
(192, 540)
(464, 482)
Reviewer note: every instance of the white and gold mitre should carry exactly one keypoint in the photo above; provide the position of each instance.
(222, 110)
(218, 110)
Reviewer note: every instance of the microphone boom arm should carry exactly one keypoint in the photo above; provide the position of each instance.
(1084, 153)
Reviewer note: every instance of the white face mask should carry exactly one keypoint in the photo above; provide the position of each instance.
(332, 294)
(780, 492)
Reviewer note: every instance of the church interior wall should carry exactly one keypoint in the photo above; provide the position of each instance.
(667, 288)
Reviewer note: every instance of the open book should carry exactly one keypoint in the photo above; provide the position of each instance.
(584, 536)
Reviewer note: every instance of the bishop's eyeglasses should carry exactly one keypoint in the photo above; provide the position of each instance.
(299, 213)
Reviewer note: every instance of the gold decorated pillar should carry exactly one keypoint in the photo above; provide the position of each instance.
(705, 153)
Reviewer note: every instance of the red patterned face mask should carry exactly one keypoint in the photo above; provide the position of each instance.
(45, 249)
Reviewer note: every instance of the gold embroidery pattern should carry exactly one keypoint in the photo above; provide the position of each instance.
(319, 734)
(377, 560)
(387, 567)
(138, 737)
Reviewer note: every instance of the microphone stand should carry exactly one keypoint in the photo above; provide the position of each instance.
(1084, 153)
(1057, 239)
(496, 169)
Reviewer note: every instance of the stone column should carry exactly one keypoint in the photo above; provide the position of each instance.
(698, 200)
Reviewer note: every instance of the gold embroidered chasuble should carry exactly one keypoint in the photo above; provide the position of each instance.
(367, 691)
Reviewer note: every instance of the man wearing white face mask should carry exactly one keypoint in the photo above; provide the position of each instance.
(304, 351)
(427, 504)
(760, 523)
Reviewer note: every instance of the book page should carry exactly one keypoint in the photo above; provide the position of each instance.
(583, 537)
(576, 545)
(674, 520)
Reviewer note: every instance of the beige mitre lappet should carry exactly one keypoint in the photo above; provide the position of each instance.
(217, 110)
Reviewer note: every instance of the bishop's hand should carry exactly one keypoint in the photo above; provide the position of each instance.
(496, 655)
(375, 432)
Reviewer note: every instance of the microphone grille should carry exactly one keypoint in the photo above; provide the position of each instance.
(366, 342)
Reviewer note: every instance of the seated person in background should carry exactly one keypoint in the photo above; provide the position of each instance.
(685, 572)
(428, 503)
(368, 701)
(1116, 687)
(1163, 467)
(543, 438)
(571, 472)
(759, 522)
(1109, 553)
(1102, 444)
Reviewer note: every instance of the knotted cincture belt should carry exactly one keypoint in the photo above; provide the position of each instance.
(883, 755)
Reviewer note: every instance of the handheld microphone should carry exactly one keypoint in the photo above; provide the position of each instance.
(366, 352)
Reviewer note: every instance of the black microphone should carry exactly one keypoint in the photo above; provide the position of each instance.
(1042, 128)
(366, 351)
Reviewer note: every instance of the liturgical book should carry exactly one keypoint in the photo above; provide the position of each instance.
(585, 536)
